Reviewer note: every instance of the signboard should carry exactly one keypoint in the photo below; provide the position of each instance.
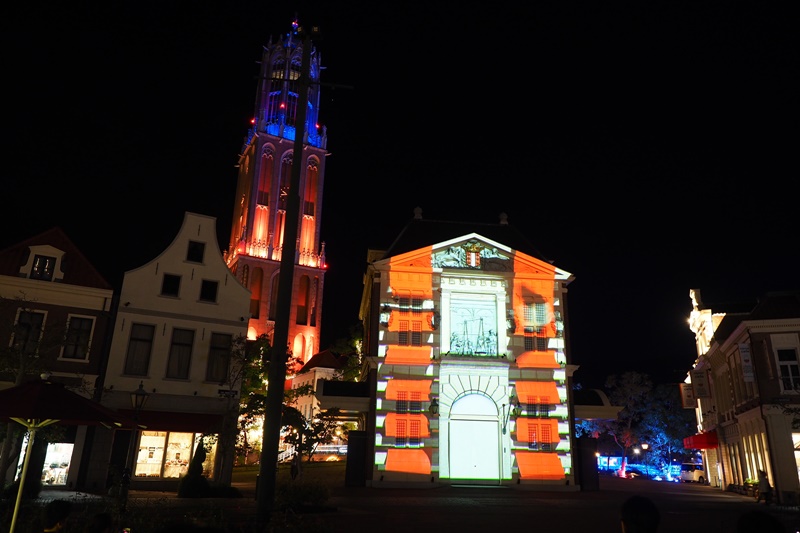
(687, 396)
(747, 363)
(700, 384)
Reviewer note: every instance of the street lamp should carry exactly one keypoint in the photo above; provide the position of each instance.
(507, 410)
(138, 399)
(644, 448)
(433, 408)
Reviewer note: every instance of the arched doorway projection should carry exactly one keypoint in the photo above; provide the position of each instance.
(475, 440)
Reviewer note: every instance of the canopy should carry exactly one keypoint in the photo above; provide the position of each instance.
(40, 403)
(701, 441)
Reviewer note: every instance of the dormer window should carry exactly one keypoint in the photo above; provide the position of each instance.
(43, 267)
(171, 285)
(196, 251)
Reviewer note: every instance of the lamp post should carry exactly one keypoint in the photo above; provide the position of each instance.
(138, 399)
(644, 448)
(507, 410)
(433, 408)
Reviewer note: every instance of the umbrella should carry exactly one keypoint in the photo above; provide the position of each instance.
(40, 403)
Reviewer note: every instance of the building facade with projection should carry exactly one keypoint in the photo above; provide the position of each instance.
(465, 333)
(262, 197)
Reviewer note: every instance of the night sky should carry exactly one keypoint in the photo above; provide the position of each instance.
(647, 148)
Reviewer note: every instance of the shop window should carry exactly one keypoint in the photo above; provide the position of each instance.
(166, 455)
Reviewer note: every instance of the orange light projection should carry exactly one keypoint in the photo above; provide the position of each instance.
(539, 465)
(411, 461)
(537, 360)
(396, 386)
(395, 420)
(537, 392)
(539, 430)
(408, 355)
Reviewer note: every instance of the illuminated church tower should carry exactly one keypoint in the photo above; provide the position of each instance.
(260, 208)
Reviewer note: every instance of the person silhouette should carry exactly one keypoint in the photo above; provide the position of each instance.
(639, 514)
(55, 515)
(764, 488)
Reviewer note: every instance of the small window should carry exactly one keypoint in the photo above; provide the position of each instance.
(789, 369)
(219, 356)
(541, 344)
(140, 346)
(404, 304)
(180, 353)
(208, 291)
(416, 333)
(415, 405)
(402, 334)
(79, 335)
(196, 251)
(401, 432)
(414, 434)
(533, 434)
(43, 267)
(529, 340)
(171, 285)
(401, 405)
(28, 332)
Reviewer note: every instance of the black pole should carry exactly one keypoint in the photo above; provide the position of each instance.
(268, 469)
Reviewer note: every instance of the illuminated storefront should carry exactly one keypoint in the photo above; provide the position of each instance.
(165, 455)
(56, 462)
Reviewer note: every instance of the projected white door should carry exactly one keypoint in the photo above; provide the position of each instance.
(474, 439)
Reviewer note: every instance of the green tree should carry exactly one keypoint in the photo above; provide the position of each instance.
(665, 424)
(351, 347)
(629, 390)
(305, 435)
(253, 394)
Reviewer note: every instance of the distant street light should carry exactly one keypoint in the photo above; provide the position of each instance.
(645, 446)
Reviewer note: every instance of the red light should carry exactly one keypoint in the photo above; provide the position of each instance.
(252, 121)
(316, 125)
(283, 106)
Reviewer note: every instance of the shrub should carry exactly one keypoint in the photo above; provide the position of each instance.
(301, 494)
(223, 491)
(194, 486)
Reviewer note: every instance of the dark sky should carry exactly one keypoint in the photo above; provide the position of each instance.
(647, 148)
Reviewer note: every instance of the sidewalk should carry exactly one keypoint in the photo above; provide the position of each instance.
(686, 508)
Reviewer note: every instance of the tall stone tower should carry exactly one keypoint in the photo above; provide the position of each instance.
(260, 205)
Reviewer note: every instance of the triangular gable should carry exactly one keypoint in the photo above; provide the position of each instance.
(74, 269)
(494, 253)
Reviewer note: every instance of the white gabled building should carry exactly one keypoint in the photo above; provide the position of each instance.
(178, 319)
(465, 329)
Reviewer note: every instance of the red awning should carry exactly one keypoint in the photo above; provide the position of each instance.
(701, 441)
(181, 422)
